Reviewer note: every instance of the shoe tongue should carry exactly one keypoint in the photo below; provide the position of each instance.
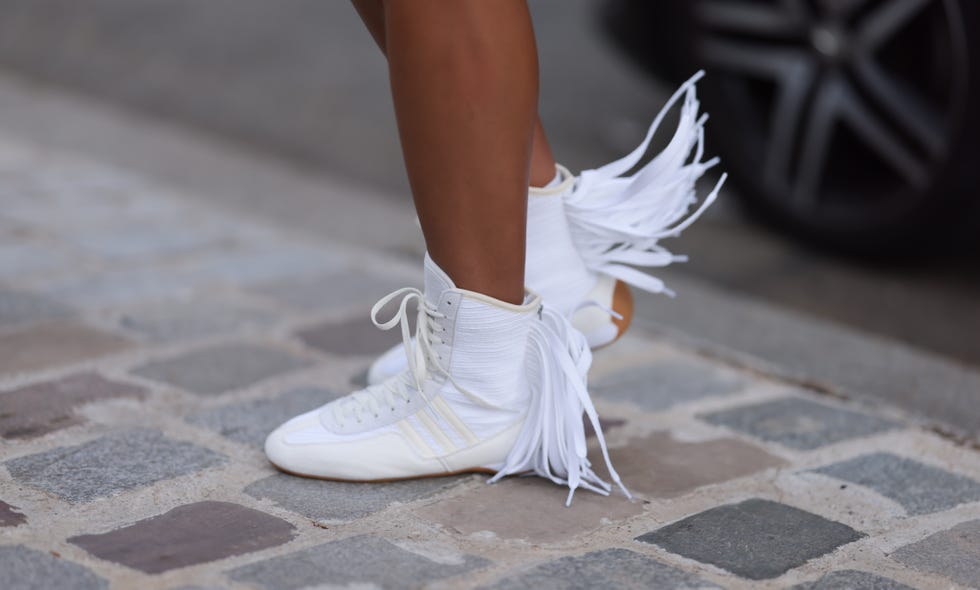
(436, 281)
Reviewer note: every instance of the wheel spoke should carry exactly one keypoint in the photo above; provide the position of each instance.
(751, 58)
(841, 9)
(910, 112)
(735, 16)
(820, 126)
(786, 119)
(885, 21)
(878, 137)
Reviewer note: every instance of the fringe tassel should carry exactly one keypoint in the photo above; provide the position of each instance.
(552, 442)
(617, 221)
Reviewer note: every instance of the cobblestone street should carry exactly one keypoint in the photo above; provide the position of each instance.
(148, 344)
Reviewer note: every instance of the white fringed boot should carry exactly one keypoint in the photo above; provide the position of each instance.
(586, 235)
(491, 387)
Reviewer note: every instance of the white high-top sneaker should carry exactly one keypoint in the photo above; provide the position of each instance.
(586, 235)
(490, 387)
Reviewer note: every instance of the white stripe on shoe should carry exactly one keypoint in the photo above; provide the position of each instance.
(419, 443)
(440, 406)
(433, 427)
(423, 433)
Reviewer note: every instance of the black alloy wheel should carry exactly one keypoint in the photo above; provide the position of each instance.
(849, 122)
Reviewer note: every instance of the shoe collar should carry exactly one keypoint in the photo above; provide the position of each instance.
(567, 181)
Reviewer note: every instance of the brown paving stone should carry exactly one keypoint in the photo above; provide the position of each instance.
(188, 535)
(9, 516)
(663, 467)
(354, 337)
(41, 408)
(527, 508)
(53, 344)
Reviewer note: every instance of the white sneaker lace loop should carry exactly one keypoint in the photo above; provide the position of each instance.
(422, 357)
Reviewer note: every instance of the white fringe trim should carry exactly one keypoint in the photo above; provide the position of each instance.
(617, 221)
(552, 442)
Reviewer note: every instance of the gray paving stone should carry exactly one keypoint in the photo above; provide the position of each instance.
(336, 290)
(174, 321)
(609, 568)
(799, 423)
(222, 368)
(188, 535)
(121, 286)
(756, 539)
(354, 337)
(954, 553)
(44, 407)
(10, 515)
(22, 568)
(110, 465)
(25, 258)
(362, 560)
(664, 383)
(919, 488)
(250, 422)
(148, 240)
(852, 580)
(20, 307)
(259, 263)
(334, 501)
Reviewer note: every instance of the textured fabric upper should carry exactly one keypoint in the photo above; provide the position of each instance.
(554, 268)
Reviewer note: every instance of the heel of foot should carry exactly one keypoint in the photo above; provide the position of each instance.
(623, 305)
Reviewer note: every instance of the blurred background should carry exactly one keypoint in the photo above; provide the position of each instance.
(849, 128)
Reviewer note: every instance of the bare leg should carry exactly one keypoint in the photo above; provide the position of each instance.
(542, 159)
(464, 81)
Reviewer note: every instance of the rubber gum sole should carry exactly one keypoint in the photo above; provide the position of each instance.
(482, 470)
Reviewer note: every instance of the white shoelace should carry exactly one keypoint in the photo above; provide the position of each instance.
(616, 221)
(419, 352)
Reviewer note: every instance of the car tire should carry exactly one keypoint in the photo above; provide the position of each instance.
(856, 131)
